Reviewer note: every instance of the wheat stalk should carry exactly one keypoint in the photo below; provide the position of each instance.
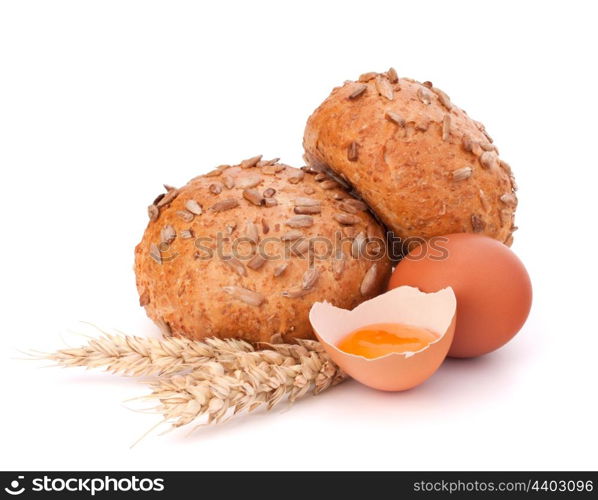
(219, 390)
(211, 379)
(140, 356)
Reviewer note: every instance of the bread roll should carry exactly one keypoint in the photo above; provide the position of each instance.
(424, 167)
(245, 250)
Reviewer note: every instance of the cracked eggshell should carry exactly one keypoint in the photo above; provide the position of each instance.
(407, 305)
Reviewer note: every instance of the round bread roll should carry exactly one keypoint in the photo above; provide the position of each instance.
(424, 167)
(245, 250)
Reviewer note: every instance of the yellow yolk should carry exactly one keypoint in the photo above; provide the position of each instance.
(373, 341)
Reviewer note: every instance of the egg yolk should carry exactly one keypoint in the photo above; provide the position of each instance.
(373, 341)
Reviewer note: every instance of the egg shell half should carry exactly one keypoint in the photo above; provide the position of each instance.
(406, 305)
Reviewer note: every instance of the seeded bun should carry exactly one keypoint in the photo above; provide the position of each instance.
(424, 167)
(234, 253)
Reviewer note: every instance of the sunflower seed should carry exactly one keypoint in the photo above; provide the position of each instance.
(310, 278)
(272, 169)
(366, 77)
(428, 84)
(250, 162)
(358, 205)
(443, 98)
(280, 269)
(358, 246)
(235, 265)
(369, 280)
(486, 146)
(346, 207)
(155, 254)
(252, 233)
(309, 190)
(395, 118)
(466, 143)
(338, 266)
(228, 181)
(168, 197)
(307, 210)
(248, 182)
(392, 75)
(295, 293)
(265, 226)
(256, 262)
(153, 212)
(353, 151)
(329, 184)
(193, 207)
(168, 187)
(168, 234)
(424, 95)
(320, 177)
(508, 199)
(185, 215)
(253, 196)
(488, 160)
(225, 204)
(300, 221)
(186, 234)
(296, 176)
(144, 298)
(384, 87)
(462, 173)
(158, 198)
(338, 196)
(270, 202)
(268, 193)
(358, 89)
(476, 149)
(245, 295)
(300, 247)
(422, 126)
(215, 188)
(446, 127)
(346, 219)
(267, 163)
(311, 169)
(291, 235)
(477, 223)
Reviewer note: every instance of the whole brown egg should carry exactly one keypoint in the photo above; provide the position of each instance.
(492, 286)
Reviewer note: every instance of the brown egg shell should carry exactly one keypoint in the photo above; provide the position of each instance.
(405, 305)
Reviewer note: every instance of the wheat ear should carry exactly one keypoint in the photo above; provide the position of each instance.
(140, 356)
(212, 379)
(219, 390)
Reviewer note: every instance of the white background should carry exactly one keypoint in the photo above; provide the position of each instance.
(101, 102)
